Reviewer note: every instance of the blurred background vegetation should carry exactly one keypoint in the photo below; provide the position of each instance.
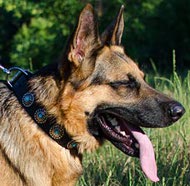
(34, 32)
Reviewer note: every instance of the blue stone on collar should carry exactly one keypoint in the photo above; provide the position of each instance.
(72, 144)
(28, 99)
(56, 131)
(40, 116)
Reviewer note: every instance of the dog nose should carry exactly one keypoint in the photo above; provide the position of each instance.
(175, 111)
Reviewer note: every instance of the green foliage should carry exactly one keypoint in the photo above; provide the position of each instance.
(36, 31)
(155, 28)
(32, 41)
(39, 30)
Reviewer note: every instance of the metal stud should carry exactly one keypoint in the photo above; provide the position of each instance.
(72, 144)
(56, 132)
(40, 116)
(28, 99)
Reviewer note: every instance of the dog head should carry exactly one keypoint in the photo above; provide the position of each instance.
(105, 96)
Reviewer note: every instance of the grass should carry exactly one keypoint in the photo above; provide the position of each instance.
(110, 167)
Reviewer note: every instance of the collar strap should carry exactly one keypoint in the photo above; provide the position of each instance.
(19, 85)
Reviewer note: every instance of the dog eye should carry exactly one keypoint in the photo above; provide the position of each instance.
(131, 83)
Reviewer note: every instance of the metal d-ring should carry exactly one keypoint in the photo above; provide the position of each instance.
(16, 76)
(5, 70)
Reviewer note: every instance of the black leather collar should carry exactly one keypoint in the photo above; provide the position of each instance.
(19, 85)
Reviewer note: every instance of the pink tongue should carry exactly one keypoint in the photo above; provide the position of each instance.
(147, 157)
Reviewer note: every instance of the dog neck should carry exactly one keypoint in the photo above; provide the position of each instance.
(30, 95)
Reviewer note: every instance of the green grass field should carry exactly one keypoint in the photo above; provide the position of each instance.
(110, 167)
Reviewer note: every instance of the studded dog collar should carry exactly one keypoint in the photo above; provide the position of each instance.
(19, 85)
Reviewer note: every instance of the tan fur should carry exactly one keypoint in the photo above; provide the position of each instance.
(39, 160)
(71, 91)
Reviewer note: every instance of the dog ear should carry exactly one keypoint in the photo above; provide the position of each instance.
(85, 37)
(113, 33)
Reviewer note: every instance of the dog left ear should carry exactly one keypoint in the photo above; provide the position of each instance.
(85, 36)
(113, 33)
(82, 43)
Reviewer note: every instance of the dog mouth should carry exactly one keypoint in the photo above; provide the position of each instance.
(130, 139)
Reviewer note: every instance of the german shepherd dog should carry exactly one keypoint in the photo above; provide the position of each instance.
(95, 92)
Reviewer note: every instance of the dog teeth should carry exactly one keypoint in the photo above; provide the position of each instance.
(123, 133)
(137, 145)
(118, 128)
(114, 122)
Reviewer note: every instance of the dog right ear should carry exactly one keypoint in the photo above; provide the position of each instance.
(113, 33)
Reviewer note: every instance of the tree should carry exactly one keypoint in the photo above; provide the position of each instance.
(34, 32)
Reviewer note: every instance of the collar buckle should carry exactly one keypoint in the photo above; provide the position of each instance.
(14, 73)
